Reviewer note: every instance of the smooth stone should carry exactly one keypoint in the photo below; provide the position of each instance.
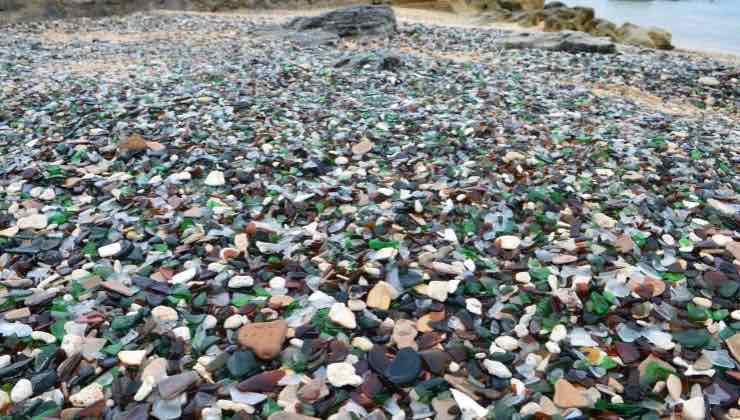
(709, 81)
(132, 357)
(497, 369)
(234, 321)
(173, 385)
(43, 336)
(380, 296)
(16, 314)
(508, 242)
(675, 388)
(215, 179)
(72, 344)
(568, 396)
(110, 250)
(693, 409)
(733, 344)
(164, 314)
(343, 316)
(342, 374)
(558, 333)
(88, 395)
(405, 368)
(507, 342)
(22, 391)
(156, 369)
(237, 282)
(182, 333)
(264, 338)
(604, 221)
(404, 334)
(184, 276)
(362, 343)
(34, 221)
(438, 290)
(474, 306)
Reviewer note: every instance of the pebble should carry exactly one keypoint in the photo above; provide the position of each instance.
(497, 369)
(343, 316)
(709, 81)
(184, 276)
(507, 343)
(215, 179)
(568, 396)
(22, 390)
(558, 333)
(474, 306)
(437, 290)
(733, 345)
(693, 409)
(703, 302)
(342, 374)
(88, 395)
(164, 314)
(132, 357)
(35, 221)
(675, 388)
(233, 322)
(523, 277)
(404, 334)
(238, 282)
(509, 242)
(362, 343)
(110, 250)
(604, 221)
(380, 296)
(43, 336)
(264, 338)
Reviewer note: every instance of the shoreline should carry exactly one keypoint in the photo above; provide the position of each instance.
(443, 18)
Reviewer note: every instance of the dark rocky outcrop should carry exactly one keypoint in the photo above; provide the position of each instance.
(350, 21)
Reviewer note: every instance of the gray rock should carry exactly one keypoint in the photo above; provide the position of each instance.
(568, 41)
(641, 36)
(350, 21)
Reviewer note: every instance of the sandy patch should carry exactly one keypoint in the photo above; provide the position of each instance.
(642, 98)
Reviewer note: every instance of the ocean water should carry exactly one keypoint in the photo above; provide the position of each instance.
(704, 25)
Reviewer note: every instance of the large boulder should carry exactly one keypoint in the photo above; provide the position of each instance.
(650, 37)
(568, 41)
(350, 21)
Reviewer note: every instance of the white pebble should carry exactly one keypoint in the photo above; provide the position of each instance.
(22, 391)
